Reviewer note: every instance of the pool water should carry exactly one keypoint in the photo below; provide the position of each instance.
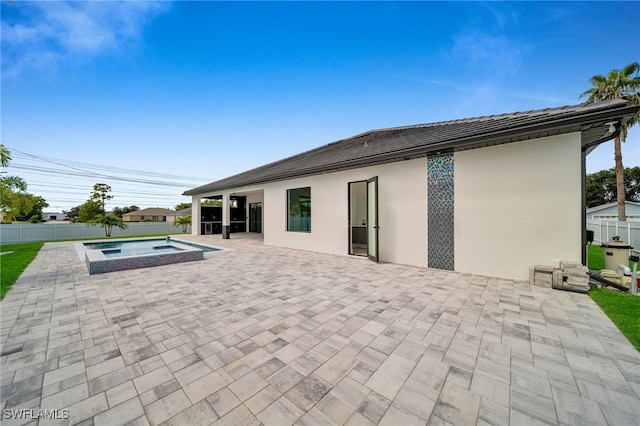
(138, 247)
(116, 252)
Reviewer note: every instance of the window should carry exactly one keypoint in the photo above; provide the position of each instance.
(299, 209)
(233, 203)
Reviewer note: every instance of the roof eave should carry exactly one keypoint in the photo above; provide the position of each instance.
(562, 125)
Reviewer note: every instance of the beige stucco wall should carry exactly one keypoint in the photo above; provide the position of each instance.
(518, 205)
(402, 207)
(255, 197)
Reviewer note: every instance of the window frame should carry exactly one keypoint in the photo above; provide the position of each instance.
(302, 200)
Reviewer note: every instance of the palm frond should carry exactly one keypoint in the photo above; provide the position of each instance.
(617, 84)
(630, 69)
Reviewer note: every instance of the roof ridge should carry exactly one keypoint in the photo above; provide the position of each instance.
(589, 105)
(419, 139)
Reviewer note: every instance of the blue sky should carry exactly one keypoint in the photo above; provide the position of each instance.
(159, 91)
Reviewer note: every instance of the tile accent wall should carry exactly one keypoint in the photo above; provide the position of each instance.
(135, 262)
(440, 201)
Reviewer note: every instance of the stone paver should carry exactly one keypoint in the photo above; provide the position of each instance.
(266, 335)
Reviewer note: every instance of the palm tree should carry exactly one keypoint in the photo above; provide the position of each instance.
(5, 156)
(108, 222)
(183, 221)
(618, 84)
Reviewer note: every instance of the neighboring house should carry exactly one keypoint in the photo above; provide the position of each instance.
(151, 214)
(609, 211)
(184, 212)
(54, 216)
(488, 195)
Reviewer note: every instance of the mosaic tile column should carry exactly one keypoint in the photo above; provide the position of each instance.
(440, 237)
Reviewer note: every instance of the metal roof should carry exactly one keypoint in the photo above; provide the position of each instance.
(608, 205)
(415, 141)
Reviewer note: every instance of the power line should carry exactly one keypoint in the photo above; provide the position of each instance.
(84, 188)
(142, 196)
(101, 176)
(63, 179)
(78, 164)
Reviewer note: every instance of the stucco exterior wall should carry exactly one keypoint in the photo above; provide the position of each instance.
(401, 207)
(515, 206)
(518, 205)
(255, 197)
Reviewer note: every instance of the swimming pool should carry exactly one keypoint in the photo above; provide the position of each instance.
(120, 255)
(123, 248)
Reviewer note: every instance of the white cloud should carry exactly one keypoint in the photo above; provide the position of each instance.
(41, 35)
(485, 91)
(489, 43)
(490, 53)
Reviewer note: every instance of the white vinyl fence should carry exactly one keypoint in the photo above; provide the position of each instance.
(605, 230)
(22, 233)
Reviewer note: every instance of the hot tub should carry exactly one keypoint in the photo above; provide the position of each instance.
(119, 255)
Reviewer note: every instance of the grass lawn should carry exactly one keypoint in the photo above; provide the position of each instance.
(595, 257)
(12, 264)
(623, 309)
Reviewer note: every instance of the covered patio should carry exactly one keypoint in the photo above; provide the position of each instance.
(225, 213)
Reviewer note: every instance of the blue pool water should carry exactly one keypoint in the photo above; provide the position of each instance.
(132, 248)
(137, 247)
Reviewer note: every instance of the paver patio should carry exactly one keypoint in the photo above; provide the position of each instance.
(264, 335)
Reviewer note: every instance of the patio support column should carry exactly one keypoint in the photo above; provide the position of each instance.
(583, 216)
(196, 215)
(226, 214)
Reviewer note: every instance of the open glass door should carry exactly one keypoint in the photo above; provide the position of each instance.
(372, 218)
